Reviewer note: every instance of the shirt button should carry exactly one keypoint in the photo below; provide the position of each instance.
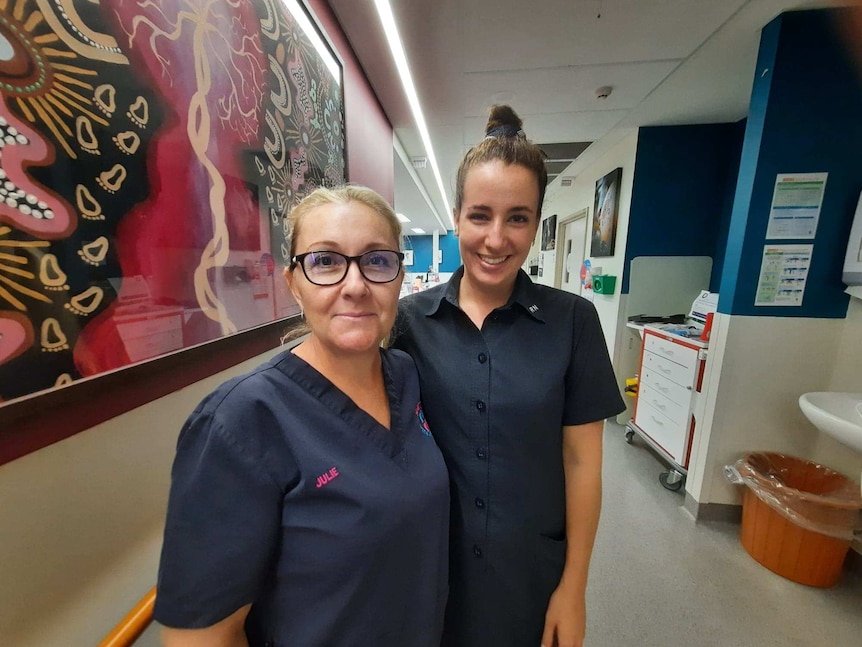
(480, 405)
(483, 358)
(480, 503)
(477, 551)
(482, 453)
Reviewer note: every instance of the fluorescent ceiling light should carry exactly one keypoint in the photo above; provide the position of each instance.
(309, 30)
(397, 49)
(402, 217)
(417, 230)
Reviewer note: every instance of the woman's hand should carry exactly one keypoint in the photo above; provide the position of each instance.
(566, 619)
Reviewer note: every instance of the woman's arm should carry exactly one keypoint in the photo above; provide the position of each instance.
(566, 617)
(229, 632)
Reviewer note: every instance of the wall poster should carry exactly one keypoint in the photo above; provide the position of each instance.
(783, 275)
(549, 233)
(149, 152)
(605, 213)
(795, 209)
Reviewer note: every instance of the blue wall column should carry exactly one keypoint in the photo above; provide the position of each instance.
(682, 193)
(805, 117)
(422, 246)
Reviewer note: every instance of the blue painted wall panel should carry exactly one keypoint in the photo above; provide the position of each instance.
(682, 192)
(804, 118)
(451, 253)
(423, 247)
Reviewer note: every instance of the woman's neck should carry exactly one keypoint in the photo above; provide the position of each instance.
(359, 376)
(340, 367)
(479, 302)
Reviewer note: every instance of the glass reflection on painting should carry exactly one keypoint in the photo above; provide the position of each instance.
(149, 153)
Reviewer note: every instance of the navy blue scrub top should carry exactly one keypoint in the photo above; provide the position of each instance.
(497, 399)
(286, 495)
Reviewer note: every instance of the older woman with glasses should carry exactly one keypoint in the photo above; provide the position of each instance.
(309, 502)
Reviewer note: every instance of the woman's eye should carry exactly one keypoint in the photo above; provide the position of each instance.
(377, 260)
(323, 260)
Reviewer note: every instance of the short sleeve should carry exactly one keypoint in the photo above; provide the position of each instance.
(223, 524)
(592, 392)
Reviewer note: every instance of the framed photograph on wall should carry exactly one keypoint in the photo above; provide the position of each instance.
(605, 214)
(151, 165)
(549, 233)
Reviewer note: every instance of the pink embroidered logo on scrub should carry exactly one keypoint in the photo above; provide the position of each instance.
(423, 424)
(327, 477)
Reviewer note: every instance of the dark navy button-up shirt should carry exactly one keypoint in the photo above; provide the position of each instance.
(497, 399)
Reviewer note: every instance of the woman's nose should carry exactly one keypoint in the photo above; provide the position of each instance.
(354, 280)
(495, 235)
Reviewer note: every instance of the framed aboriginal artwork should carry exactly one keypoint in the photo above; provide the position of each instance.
(149, 153)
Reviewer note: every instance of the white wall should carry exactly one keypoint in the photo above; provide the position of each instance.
(565, 201)
(758, 368)
(81, 522)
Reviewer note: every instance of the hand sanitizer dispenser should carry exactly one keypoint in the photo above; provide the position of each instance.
(853, 260)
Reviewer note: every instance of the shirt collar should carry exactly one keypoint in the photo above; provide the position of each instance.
(525, 295)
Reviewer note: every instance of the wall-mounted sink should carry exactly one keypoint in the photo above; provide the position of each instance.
(837, 414)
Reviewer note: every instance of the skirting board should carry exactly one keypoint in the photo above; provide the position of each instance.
(713, 511)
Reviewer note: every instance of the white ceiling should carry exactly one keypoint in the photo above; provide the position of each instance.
(668, 61)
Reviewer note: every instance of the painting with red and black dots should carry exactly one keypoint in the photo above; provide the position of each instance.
(149, 153)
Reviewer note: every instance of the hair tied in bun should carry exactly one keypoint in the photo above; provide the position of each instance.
(505, 130)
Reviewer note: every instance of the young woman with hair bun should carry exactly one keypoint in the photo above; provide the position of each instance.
(516, 383)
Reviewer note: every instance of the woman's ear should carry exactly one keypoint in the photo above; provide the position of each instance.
(291, 285)
(455, 220)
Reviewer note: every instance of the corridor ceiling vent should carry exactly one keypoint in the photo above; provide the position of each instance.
(560, 157)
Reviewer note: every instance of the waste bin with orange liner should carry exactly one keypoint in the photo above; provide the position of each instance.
(798, 517)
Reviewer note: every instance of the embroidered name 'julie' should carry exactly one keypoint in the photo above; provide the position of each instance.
(327, 477)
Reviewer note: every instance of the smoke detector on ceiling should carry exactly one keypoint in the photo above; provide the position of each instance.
(604, 92)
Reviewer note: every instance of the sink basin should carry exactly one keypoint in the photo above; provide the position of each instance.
(836, 414)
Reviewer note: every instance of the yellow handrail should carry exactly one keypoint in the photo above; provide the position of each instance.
(130, 628)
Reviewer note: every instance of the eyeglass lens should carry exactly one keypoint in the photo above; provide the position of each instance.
(328, 268)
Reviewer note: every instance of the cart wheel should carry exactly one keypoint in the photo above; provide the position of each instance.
(629, 436)
(671, 480)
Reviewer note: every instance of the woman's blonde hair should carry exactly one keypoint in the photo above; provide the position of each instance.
(341, 195)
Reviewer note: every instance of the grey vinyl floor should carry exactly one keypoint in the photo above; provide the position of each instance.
(658, 578)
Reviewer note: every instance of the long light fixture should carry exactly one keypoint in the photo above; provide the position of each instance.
(397, 49)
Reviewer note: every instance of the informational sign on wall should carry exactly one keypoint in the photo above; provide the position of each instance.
(783, 274)
(796, 204)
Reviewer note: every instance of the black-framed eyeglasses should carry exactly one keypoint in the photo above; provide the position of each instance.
(328, 268)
